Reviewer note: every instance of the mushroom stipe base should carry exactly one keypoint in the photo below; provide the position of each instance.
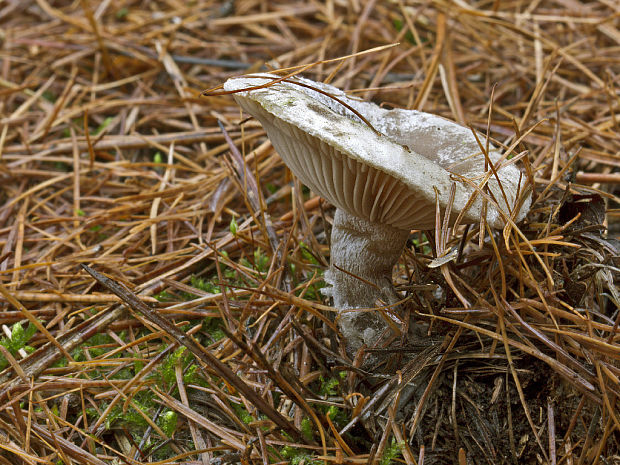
(363, 255)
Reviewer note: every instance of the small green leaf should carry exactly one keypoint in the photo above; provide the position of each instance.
(31, 330)
(18, 335)
(122, 13)
(106, 122)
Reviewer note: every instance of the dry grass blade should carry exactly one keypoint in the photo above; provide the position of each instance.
(199, 352)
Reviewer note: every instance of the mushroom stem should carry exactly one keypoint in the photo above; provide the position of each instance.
(363, 255)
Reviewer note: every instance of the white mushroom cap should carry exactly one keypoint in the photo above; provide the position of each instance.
(388, 177)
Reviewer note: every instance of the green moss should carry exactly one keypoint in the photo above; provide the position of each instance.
(204, 285)
(61, 166)
(49, 96)
(307, 428)
(398, 25)
(391, 453)
(166, 370)
(421, 242)
(329, 386)
(305, 252)
(243, 414)
(167, 421)
(130, 418)
(164, 296)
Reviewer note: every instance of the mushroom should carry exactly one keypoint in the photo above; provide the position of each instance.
(384, 170)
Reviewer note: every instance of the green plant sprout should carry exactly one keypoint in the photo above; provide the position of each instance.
(17, 341)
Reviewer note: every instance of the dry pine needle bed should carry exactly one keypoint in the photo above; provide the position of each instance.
(161, 269)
